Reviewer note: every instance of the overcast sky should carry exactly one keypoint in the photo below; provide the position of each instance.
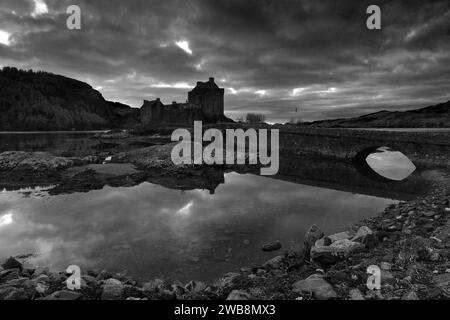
(271, 56)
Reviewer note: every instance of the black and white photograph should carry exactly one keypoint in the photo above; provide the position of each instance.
(226, 155)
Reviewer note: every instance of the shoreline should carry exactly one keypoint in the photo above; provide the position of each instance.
(409, 241)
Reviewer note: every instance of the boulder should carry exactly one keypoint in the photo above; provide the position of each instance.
(112, 290)
(8, 275)
(316, 285)
(273, 263)
(314, 233)
(88, 282)
(12, 263)
(239, 295)
(272, 246)
(366, 236)
(340, 236)
(338, 250)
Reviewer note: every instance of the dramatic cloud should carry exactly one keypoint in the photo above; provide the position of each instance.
(302, 59)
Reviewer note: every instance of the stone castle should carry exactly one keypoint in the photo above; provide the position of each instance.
(205, 103)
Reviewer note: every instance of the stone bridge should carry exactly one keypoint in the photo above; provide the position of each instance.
(424, 149)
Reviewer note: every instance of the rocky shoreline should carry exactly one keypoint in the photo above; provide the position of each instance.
(409, 242)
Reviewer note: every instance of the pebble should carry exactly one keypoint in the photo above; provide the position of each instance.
(355, 294)
(239, 295)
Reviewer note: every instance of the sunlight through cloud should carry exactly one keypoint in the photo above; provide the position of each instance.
(40, 8)
(186, 210)
(4, 38)
(184, 45)
(6, 219)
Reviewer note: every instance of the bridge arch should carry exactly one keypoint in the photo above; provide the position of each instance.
(359, 161)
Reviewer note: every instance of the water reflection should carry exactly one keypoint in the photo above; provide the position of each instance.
(390, 164)
(153, 231)
(57, 143)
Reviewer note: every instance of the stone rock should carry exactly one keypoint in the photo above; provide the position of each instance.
(316, 285)
(410, 296)
(89, 281)
(327, 241)
(355, 294)
(153, 286)
(272, 246)
(374, 295)
(345, 245)
(104, 275)
(386, 265)
(442, 281)
(41, 287)
(12, 263)
(366, 236)
(63, 295)
(42, 278)
(40, 271)
(112, 290)
(340, 249)
(17, 283)
(132, 291)
(195, 286)
(57, 277)
(336, 277)
(229, 279)
(239, 295)
(10, 274)
(387, 277)
(166, 295)
(273, 263)
(314, 233)
(429, 214)
(340, 236)
(11, 293)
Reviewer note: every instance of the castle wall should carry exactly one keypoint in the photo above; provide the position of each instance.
(205, 103)
(151, 111)
(182, 114)
(212, 102)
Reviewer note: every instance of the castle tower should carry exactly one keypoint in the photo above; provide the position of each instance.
(210, 97)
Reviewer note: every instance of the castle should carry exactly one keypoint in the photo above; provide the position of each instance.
(205, 103)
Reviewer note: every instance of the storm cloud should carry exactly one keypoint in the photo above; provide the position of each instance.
(303, 59)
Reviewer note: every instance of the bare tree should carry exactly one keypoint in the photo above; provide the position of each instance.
(255, 118)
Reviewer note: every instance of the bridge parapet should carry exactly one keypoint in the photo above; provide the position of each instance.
(424, 149)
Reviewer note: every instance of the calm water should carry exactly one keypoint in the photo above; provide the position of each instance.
(153, 231)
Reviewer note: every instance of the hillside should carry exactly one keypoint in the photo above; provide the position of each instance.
(44, 101)
(437, 116)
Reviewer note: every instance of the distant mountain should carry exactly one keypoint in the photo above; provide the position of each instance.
(437, 116)
(45, 101)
